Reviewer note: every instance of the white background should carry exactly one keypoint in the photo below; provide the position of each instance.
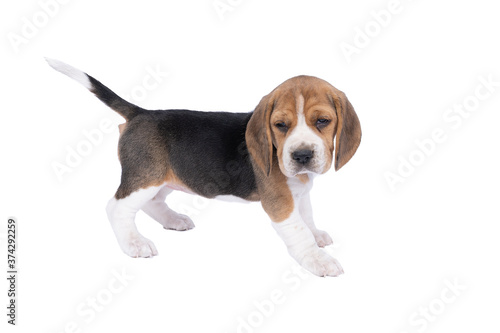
(401, 249)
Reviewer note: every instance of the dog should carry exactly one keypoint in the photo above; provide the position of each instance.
(269, 155)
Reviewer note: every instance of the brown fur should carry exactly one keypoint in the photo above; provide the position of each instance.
(175, 183)
(275, 196)
(265, 141)
(304, 178)
(144, 161)
(348, 129)
(320, 99)
(121, 128)
(258, 135)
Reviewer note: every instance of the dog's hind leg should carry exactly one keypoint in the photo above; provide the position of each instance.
(121, 213)
(169, 219)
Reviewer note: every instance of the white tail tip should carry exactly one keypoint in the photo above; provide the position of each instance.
(70, 71)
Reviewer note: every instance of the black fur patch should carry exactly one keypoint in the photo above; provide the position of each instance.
(108, 97)
(205, 150)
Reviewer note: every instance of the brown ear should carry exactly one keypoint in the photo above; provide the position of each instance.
(258, 135)
(348, 130)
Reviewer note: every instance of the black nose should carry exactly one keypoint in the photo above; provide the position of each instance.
(302, 156)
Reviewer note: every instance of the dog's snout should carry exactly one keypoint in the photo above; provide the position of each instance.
(302, 156)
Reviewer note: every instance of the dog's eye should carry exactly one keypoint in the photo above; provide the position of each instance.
(281, 126)
(322, 122)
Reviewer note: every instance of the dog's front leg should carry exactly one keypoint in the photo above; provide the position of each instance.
(303, 248)
(305, 209)
(281, 199)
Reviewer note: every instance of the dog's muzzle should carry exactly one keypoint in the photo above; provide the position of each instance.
(304, 160)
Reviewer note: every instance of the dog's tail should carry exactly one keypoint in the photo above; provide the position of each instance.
(115, 102)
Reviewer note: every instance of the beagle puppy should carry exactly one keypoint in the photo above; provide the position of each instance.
(269, 155)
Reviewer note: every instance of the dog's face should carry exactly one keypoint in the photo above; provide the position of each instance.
(302, 131)
(300, 119)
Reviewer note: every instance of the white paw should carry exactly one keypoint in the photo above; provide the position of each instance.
(322, 238)
(178, 222)
(138, 246)
(320, 263)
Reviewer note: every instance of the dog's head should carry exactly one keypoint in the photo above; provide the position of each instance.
(300, 119)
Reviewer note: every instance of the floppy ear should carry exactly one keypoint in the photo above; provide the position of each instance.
(258, 135)
(348, 130)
